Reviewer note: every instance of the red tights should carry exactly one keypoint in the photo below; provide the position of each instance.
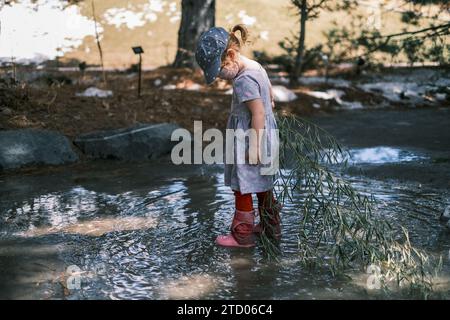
(244, 202)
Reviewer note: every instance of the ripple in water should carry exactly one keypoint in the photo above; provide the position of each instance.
(157, 242)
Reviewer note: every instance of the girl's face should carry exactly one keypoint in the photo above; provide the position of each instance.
(230, 65)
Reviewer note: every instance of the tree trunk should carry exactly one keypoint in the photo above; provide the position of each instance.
(297, 72)
(197, 17)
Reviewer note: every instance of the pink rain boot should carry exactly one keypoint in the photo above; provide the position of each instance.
(270, 221)
(241, 231)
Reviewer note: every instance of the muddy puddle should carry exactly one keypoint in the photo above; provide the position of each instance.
(146, 231)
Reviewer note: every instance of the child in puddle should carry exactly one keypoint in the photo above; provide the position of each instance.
(218, 54)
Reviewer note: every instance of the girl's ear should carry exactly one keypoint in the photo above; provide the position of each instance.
(231, 53)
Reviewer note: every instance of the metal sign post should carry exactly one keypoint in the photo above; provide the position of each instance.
(138, 50)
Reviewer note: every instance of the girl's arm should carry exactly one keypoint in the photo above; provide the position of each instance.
(256, 107)
(272, 97)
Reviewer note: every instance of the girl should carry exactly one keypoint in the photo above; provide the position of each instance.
(218, 54)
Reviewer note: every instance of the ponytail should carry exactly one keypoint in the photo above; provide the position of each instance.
(243, 31)
(234, 41)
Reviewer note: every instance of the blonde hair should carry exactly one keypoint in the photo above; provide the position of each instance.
(234, 42)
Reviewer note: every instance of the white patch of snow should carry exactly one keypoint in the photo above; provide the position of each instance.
(151, 16)
(351, 105)
(282, 80)
(194, 87)
(316, 105)
(229, 18)
(394, 91)
(157, 5)
(95, 92)
(41, 30)
(264, 35)
(173, 7)
(328, 95)
(172, 12)
(246, 19)
(136, 16)
(337, 96)
(416, 87)
(121, 16)
(157, 82)
(321, 80)
(283, 94)
(184, 86)
(175, 18)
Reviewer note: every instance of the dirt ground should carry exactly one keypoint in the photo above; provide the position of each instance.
(49, 101)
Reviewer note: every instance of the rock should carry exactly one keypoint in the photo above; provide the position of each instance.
(445, 216)
(95, 92)
(283, 94)
(6, 111)
(337, 82)
(350, 105)
(141, 142)
(20, 148)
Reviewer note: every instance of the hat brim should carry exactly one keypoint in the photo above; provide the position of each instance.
(213, 70)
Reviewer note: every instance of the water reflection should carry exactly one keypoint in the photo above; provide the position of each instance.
(96, 227)
(153, 229)
(189, 287)
(379, 155)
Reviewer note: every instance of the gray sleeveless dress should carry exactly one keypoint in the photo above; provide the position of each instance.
(248, 85)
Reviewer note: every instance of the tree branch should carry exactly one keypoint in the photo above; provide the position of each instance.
(393, 35)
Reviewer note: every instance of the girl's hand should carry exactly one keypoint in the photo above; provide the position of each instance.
(256, 108)
(252, 158)
(272, 98)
